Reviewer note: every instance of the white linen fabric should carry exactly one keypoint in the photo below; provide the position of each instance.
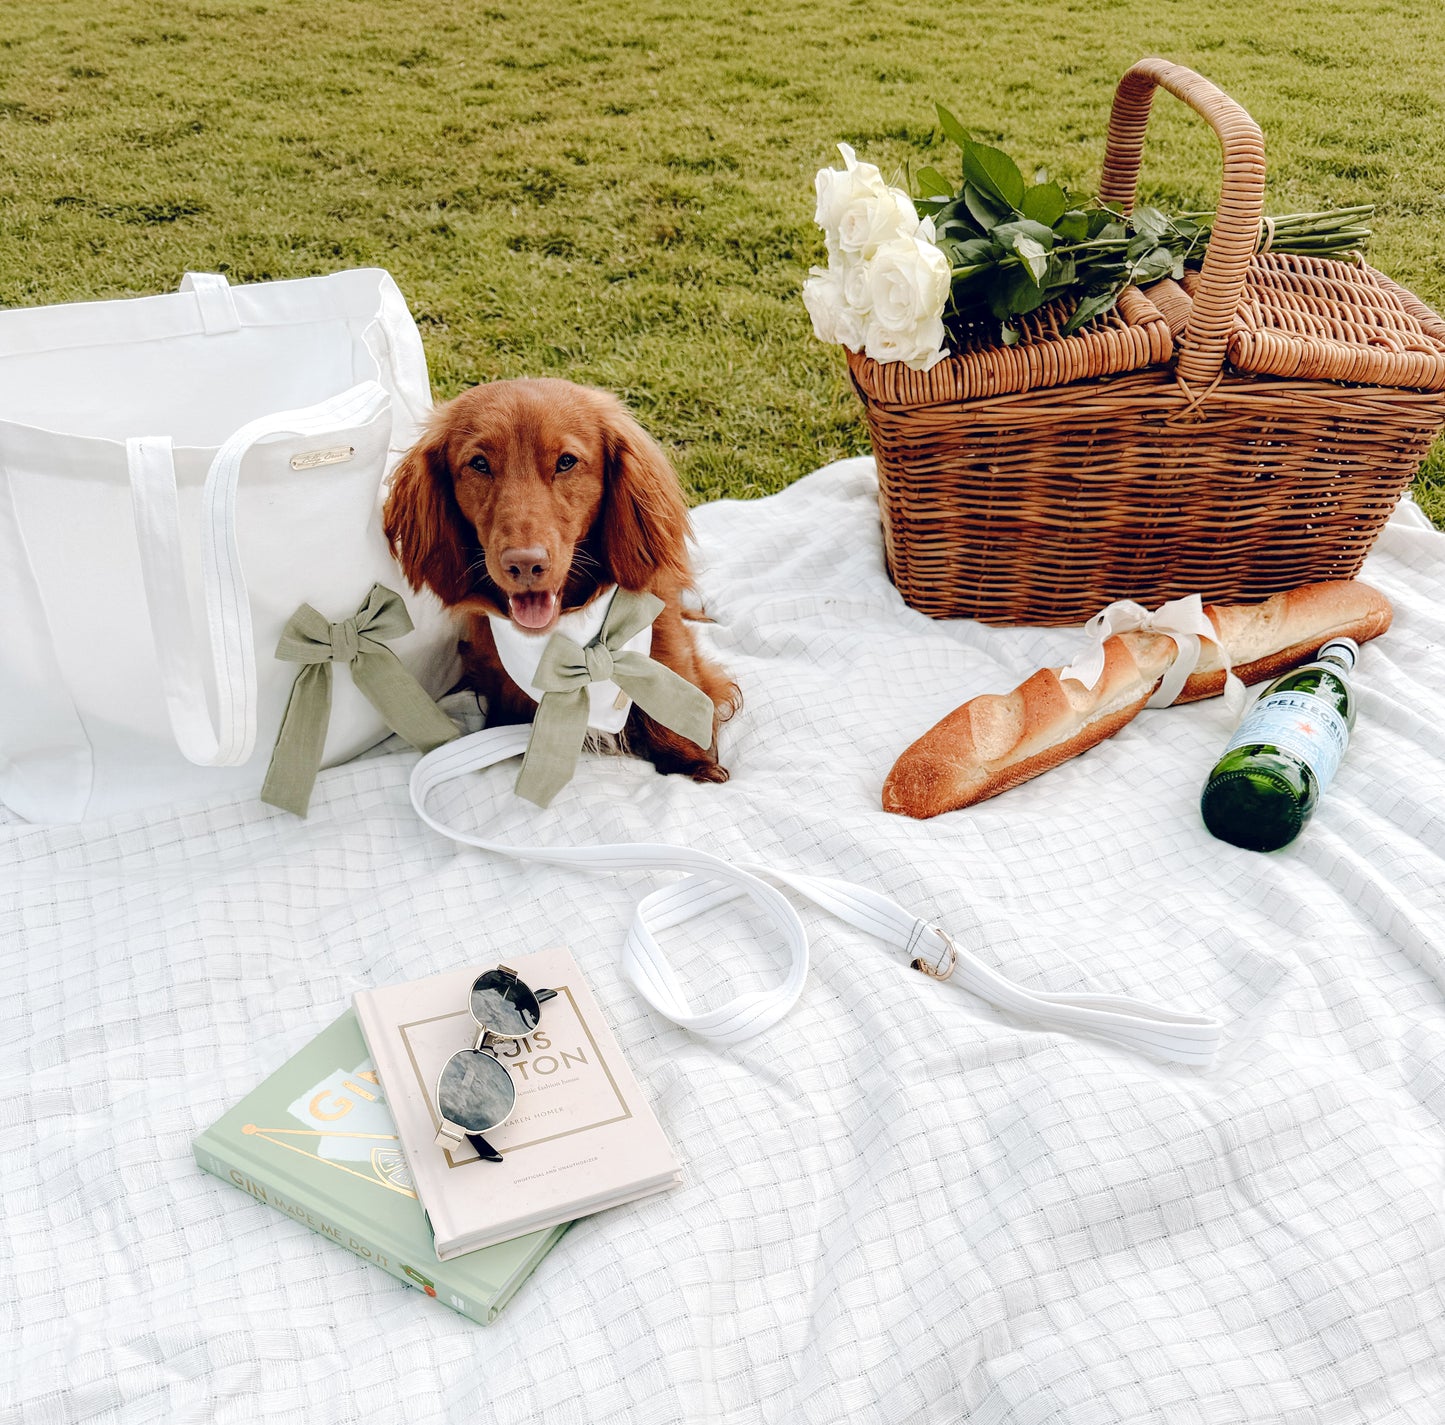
(710, 881)
(899, 1205)
(223, 464)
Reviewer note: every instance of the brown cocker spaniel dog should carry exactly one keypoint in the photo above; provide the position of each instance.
(527, 499)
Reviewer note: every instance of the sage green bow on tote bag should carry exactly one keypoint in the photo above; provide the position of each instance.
(178, 476)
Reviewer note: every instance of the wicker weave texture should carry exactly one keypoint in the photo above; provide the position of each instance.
(1335, 321)
(1036, 483)
(1134, 336)
(1019, 510)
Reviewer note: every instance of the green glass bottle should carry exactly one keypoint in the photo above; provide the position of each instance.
(1284, 753)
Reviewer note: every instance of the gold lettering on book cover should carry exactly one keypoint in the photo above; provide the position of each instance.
(345, 1126)
(387, 1162)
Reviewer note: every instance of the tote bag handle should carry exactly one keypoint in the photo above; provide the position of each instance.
(405, 355)
(228, 645)
(214, 300)
(403, 358)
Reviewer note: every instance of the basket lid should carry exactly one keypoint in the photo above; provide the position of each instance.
(1131, 336)
(1318, 319)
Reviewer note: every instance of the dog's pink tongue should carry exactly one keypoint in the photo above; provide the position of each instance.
(533, 610)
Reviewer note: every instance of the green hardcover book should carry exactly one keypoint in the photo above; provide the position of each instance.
(317, 1142)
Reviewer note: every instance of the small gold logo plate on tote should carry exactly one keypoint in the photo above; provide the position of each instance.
(312, 458)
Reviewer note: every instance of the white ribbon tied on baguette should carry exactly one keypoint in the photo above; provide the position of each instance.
(1183, 620)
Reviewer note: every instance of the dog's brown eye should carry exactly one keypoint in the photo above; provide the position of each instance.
(480, 465)
(565, 462)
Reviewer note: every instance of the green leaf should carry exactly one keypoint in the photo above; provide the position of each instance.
(1090, 307)
(952, 129)
(1044, 203)
(932, 184)
(1015, 295)
(1035, 258)
(1062, 273)
(1150, 221)
(1154, 265)
(995, 173)
(970, 286)
(1003, 232)
(1029, 242)
(1072, 227)
(1102, 223)
(1008, 335)
(983, 209)
(974, 250)
(1095, 273)
(955, 212)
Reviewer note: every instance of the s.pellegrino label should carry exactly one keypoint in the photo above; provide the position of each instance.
(1303, 724)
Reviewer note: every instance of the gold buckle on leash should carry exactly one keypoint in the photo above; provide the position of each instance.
(932, 971)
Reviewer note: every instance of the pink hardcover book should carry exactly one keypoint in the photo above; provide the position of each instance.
(581, 1138)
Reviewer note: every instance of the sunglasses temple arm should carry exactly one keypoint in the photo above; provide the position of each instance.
(484, 1149)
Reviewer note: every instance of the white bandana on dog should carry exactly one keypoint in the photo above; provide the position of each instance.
(521, 651)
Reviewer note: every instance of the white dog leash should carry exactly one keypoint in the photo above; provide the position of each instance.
(710, 881)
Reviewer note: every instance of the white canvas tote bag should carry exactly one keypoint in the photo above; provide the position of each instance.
(177, 475)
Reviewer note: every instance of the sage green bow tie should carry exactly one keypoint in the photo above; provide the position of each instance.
(566, 668)
(309, 639)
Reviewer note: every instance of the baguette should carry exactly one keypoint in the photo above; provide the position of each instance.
(1265, 640)
(994, 742)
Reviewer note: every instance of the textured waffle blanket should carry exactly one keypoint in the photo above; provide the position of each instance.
(899, 1205)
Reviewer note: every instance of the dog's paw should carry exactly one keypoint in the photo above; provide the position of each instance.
(675, 762)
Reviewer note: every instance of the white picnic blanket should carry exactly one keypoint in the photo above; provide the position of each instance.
(899, 1205)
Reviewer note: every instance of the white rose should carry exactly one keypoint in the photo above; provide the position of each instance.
(857, 283)
(908, 283)
(886, 282)
(838, 187)
(870, 221)
(834, 321)
(823, 297)
(857, 210)
(850, 329)
(920, 349)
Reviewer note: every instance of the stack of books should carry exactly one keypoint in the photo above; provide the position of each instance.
(343, 1137)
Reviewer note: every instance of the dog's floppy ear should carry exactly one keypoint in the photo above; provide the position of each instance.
(432, 540)
(644, 519)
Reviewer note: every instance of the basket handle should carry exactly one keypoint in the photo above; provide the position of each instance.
(1241, 199)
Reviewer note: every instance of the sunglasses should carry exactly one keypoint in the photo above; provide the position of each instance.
(475, 1090)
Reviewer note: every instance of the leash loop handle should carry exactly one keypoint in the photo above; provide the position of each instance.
(709, 881)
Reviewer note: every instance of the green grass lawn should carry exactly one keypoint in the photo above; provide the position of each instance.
(621, 193)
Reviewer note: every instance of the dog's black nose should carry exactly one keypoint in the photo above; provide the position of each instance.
(525, 566)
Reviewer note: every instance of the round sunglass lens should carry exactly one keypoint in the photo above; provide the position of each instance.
(504, 1005)
(475, 1092)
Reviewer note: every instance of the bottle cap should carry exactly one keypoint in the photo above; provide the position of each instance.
(1341, 650)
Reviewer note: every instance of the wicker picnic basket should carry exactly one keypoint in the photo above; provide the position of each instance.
(1244, 431)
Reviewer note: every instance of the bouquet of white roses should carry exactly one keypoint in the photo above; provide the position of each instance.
(886, 282)
(905, 274)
